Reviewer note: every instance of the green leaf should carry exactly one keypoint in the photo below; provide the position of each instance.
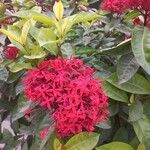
(126, 68)
(82, 141)
(28, 14)
(57, 144)
(8, 140)
(16, 67)
(137, 84)
(121, 135)
(146, 43)
(122, 48)
(135, 111)
(141, 147)
(22, 105)
(36, 52)
(115, 93)
(138, 45)
(142, 129)
(25, 30)
(58, 9)
(44, 36)
(3, 73)
(67, 50)
(11, 35)
(84, 16)
(68, 22)
(115, 146)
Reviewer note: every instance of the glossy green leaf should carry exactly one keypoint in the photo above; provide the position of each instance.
(114, 93)
(142, 129)
(36, 52)
(82, 141)
(141, 147)
(121, 135)
(135, 111)
(57, 144)
(140, 45)
(115, 146)
(58, 9)
(3, 73)
(146, 43)
(15, 67)
(137, 84)
(25, 30)
(19, 111)
(11, 35)
(28, 14)
(126, 68)
(122, 48)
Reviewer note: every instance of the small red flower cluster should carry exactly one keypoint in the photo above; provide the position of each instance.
(11, 52)
(115, 6)
(67, 86)
(119, 6)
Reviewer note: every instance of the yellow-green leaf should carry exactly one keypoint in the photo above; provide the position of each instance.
(82, 141)
(10, 35)
(16, 67)
(25, 30)
(57, 144)
(58, 9)
(115, 146)
(141, 147)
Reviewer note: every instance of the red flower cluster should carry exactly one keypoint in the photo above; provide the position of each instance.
(119, 6)
(67, 86)
(115, 6)
(11, 52)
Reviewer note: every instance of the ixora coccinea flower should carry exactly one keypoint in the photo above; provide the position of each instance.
(115, 6)
(67, 87)
(10, 52)
(120, 6)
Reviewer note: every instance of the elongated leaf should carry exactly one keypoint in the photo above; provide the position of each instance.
(138, 42)
(141, 147)
(28, 14)
(82, 141)
(68, 22)
(137, 84)
(22, 105)
(122, 48)
(115, 146)
(146, 43)
(58, 9)
(3, 73)
(57, 144)
(46, 36)
(11, 35)
(135, 111)
(142, 129)
(16, 67)
(114, 92)
(84, 16)
(121, 135)
(126, 68)
(25, 31)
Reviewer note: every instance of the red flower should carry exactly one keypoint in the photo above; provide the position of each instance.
(67, 86)
(11, 52)
(137, 21)
(43, 133)
(8, 21)
(115, 6)
(119, 6)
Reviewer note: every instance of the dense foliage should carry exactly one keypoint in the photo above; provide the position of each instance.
(75, 75)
